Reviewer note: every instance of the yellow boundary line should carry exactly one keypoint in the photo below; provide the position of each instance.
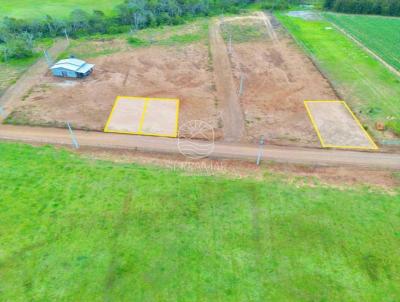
(143, 116)
(360, 125)
(178, 104)
(374, 146)
(314, 124)
(111, 114)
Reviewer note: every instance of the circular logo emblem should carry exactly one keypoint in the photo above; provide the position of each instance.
(196, 139)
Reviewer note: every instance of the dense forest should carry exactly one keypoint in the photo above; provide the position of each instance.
(372, 7)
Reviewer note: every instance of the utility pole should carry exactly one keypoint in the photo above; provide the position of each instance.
(260, 149)
(2, 112)
(66, 35)
(48, 58)
(74, 140)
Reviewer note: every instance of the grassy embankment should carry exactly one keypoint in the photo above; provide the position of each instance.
(33, 9)
(372, 91)
(74, 229)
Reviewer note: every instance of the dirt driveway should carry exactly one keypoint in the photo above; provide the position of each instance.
(232, 114)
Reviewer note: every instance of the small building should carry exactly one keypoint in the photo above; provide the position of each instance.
(72, 68)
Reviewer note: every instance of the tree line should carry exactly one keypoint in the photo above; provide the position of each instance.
(17, 35)
(371, 7)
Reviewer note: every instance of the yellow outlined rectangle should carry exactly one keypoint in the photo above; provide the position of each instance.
(143, 116)
(374, 146)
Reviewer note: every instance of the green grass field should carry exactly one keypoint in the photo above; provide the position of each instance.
(372, 91)
(30, 9)
(75, 229)
(380, 34)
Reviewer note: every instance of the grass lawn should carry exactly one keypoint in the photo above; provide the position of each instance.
(380, 34)
(74, 229)
(30, 9)
(371, 90)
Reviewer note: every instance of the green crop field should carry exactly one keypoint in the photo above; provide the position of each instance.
(30, 9)
(75, 229)
(372, 91)
(380, 34)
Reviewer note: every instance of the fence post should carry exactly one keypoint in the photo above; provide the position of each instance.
(260, 149)
(74, 140)
(241, 88)
(230, 45)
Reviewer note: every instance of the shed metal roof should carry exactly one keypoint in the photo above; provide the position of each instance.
(73, 65)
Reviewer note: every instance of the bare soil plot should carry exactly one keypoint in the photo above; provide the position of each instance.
(278, 78)
(144, 116)
(181, 72)
(336, 125)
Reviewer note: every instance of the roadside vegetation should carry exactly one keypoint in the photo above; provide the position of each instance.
(371, 89)
(379, 34)
(77, 229)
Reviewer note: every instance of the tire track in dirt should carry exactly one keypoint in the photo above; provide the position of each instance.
(270, 30)
(233, 120)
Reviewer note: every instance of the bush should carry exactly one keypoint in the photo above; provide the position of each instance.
(16, 48)
(137, 42)
(394, 125)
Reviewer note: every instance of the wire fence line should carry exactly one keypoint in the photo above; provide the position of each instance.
(232, 55)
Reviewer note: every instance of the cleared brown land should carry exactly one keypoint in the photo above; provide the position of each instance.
(181, 72)
(278, 78)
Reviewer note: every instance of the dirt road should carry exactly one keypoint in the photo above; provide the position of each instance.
(315, 157)
(233, 119)
(30, 78)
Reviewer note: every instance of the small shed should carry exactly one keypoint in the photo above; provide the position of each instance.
(72, 68)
